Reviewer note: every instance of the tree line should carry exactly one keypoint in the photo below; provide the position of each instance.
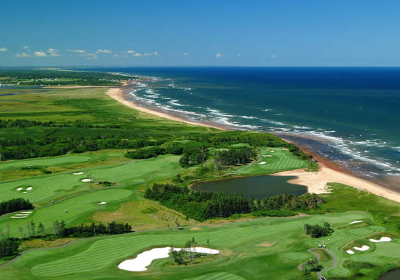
(316, 230)
(234, 157)
(15, 204)
(206, 205)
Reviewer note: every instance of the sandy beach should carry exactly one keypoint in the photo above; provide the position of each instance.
(117, 94)
(316, 182)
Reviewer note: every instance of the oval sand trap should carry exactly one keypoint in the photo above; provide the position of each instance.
(363, 248)
(29, 188)
(25, 192)
(144, 259)
(78, 173)
(383, 239)
(103, 202)
(262, 162)
(86, 180)
(351, 252)
(356, 222)
(19, 189)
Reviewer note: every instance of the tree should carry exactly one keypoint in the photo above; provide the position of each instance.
(41, 229)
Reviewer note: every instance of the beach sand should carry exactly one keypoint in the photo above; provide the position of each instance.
(316, 182)
(117, 94)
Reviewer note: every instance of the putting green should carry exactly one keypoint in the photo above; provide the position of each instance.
(55, 186)
(242, 254)
(276, 160)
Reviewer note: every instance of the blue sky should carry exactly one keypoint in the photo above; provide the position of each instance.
(220, 33)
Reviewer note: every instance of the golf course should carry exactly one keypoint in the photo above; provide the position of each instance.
(83, 159)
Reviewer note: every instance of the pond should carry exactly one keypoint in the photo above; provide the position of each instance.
(257, 187)
(392, 275)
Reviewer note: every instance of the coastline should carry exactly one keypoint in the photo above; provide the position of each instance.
(315, 182)
(117, 94)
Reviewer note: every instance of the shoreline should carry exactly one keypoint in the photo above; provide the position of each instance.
(118, 95)
(315, 182)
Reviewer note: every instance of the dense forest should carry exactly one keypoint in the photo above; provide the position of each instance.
(234, 157)
(15, 204)
(193, 156)
(206, 205)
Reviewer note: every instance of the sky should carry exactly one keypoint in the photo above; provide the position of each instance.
(200, 33)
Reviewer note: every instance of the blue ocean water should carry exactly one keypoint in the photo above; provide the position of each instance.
(347, 115)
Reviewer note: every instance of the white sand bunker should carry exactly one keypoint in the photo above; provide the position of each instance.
(78, 173)
(351, 252)
(19, 189)
(267, 155)
(272, 151)
(103, 202)
(27, 212)
(21, 214)
(356, 222)
(18, 217)
(363, 248)
(262, 162)
(29, 188)
(25, 192)
(144, 259)
(86, 180)
(383, 239)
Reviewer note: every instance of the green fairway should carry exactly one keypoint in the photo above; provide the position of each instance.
(244, 254)
(78, 208)
(58, 161)
(276, 160)
(54, 186)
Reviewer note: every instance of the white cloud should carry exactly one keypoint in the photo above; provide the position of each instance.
(76, 51)
(104, 51)
(53, 52)
(219, 55)
(239, 55)
(116, 55)
(131, 51)
(185, 54)
(20, 55)
(89, 55)
(40, 54)
(273, 56)
(137, 55)
(150, 54)
(3, 49)
(25, 47)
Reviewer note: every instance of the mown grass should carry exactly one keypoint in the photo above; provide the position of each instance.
(277, 160)
(241, 256)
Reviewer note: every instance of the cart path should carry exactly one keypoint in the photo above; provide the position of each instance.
(300, 266)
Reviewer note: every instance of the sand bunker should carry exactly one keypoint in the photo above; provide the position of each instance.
(25, 192)
(272, 151)
(356, 222)
(18, 217)
(267, 155)
(27, 212)
(86, 180)
(383, 239)
(103, 202)
(363, 248)
(262, 162)
(351, 252)
(21, 214)
(196, 228)
(29, 188)
(78, 173)
(144, 259)
(19, 189)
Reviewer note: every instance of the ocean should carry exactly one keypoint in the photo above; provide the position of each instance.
(349, 116)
